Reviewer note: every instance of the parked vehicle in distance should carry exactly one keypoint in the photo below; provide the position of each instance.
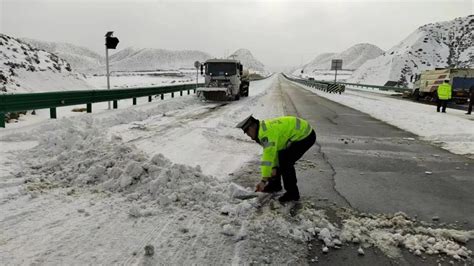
(225, 79)
(426, 84)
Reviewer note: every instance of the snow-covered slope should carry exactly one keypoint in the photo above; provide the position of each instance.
(436, 45)
(352, 58)
(27, 69)
(248, 60)
(323, 61)
(133, 59)
(81, 59)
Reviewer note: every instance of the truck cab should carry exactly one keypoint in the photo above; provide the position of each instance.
(224, 79)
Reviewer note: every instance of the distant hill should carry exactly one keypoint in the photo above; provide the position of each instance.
(81, 59)
(24, 68)
(352, 58)
(248, 60)
(435, 45)
(133, 59)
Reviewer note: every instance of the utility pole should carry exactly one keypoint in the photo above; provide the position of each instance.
(107, 67)
(110, 43)
(197, 64)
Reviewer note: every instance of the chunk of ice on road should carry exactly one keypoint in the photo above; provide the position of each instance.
(360, 251)
(239, 192)
(325, 249)
(228, 230)
(324, 233)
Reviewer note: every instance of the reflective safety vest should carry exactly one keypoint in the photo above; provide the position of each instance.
(277, 134)
(444, 91)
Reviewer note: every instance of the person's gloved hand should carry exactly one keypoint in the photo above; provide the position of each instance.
(260, 186)
(274, 172)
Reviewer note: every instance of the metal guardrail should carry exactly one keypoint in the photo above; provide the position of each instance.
(382, 88)
(43, 100)
(325, 86)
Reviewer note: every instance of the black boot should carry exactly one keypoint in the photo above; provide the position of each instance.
(295, 196)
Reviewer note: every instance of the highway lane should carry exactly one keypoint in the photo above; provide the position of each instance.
(368, 165)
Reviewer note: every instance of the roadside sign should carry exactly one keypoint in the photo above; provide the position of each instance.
(336, 64)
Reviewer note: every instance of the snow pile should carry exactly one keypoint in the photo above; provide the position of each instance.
(79, 154)
(389, 232)
(82, 59)
(249, 61)
(27, 69)
(436, 45)
(134, 59)
(352, 58)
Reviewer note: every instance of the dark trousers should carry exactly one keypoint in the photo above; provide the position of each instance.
(469, 109)
(287, 159)
(442, 103)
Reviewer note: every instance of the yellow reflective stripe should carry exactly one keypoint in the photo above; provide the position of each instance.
(268, 144)
(265, 163)
(264, 127)
(298, 123)
(306, 132)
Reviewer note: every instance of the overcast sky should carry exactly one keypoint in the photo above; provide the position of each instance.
(278, 33)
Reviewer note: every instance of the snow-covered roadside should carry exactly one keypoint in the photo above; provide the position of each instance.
(144, 79)
(205, 134)
(125, 80)
(96, 189)
(376, 91)
(89, 197)
(453, 130)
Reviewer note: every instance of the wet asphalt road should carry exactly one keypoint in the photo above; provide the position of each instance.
(368, 165)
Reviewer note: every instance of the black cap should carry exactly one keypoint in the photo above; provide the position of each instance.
(245, 124)
(446, 80)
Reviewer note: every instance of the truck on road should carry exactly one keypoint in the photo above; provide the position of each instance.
(224, 80)
(426, 84)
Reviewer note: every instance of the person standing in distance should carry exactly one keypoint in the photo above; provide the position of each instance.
(444, 95)
(471, 99)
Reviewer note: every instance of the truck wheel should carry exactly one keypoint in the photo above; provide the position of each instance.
(237, 97)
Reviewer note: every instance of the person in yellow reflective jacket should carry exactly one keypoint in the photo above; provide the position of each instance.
(444, 93)
(284, 140)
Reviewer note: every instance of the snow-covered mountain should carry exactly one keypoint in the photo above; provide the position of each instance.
(133, 59)
(24, 68)
(82, 59)
(248, 60)
(352, 58)
(435, 45)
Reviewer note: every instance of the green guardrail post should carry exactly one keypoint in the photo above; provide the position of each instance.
(2, 120)
(180, 93)
(89, 107)
(172, 95)
(134, 101)
(115, 104)
(162, 97)
(52, 113)
(194, 90)
(188, 92)
(149, 98)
